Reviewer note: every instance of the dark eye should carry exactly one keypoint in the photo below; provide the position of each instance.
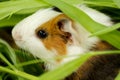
(42, 34)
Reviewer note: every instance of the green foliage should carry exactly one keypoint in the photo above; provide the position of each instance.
(11, 21)
(106, 30)
(117, 2)
(113, 37)
(69, 67)
(19, 65)
(10, 7)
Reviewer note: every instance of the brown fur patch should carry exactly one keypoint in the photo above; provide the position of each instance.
(102, 45)
(101, 67)
(56, 38)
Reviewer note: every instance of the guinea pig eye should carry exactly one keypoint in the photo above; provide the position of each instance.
(42, 34)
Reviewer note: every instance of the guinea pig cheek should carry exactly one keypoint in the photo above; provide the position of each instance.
(56, 44)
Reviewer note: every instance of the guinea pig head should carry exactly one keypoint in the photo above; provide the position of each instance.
(48, 34)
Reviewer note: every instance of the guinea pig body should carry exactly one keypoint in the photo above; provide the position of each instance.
(49, 34)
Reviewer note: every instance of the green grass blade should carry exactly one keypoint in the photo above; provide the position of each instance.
(101, 3)
(10, 52)
(13, 20)
(28, 63)
(0, 77)
(6, 61)
(9, 7)
(117, 2)
(68, 68)
(118, 77)
(92, 26)
(18, 73)
(100, 0)
(74, 2)
(106, 30)
(28, 11)
(107, 3)
(65, 70)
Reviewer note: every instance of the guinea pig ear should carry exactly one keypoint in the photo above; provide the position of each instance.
(64, 24)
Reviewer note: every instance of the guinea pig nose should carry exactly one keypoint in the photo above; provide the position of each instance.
(16, 36)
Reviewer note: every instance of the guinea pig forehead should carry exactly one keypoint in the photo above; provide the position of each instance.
(35, 20)
(52, 23)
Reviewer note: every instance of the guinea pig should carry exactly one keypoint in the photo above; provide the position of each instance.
(49, 33)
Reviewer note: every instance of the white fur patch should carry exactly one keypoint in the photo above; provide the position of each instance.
(25, 37)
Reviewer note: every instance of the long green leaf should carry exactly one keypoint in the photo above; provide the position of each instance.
(68, 68)
(100, 0)
(118, 77)
(19, 73)
(7, 8)
(9, 50)
(65, 70)
(13, 20)
(107, 30)
(74, 2)
(6, 61)
(107, 4)
(117, 2)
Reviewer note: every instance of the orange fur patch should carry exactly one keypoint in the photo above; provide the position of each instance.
(56, 37)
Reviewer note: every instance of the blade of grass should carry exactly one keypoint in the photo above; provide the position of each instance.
(37, 61)
(13, 20)
(106, 30)
(18, 73)
(92, 26)
(117, 2)
(68, 68)
(6, 61)
(9, 51)
(0, 77)
(102, 3)
(100, 0)
(65, 70)
(35, 69)
(74, 2)
(28, 11)
(118, 77)
(12, 56)
(9, 7)
(28, 63)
